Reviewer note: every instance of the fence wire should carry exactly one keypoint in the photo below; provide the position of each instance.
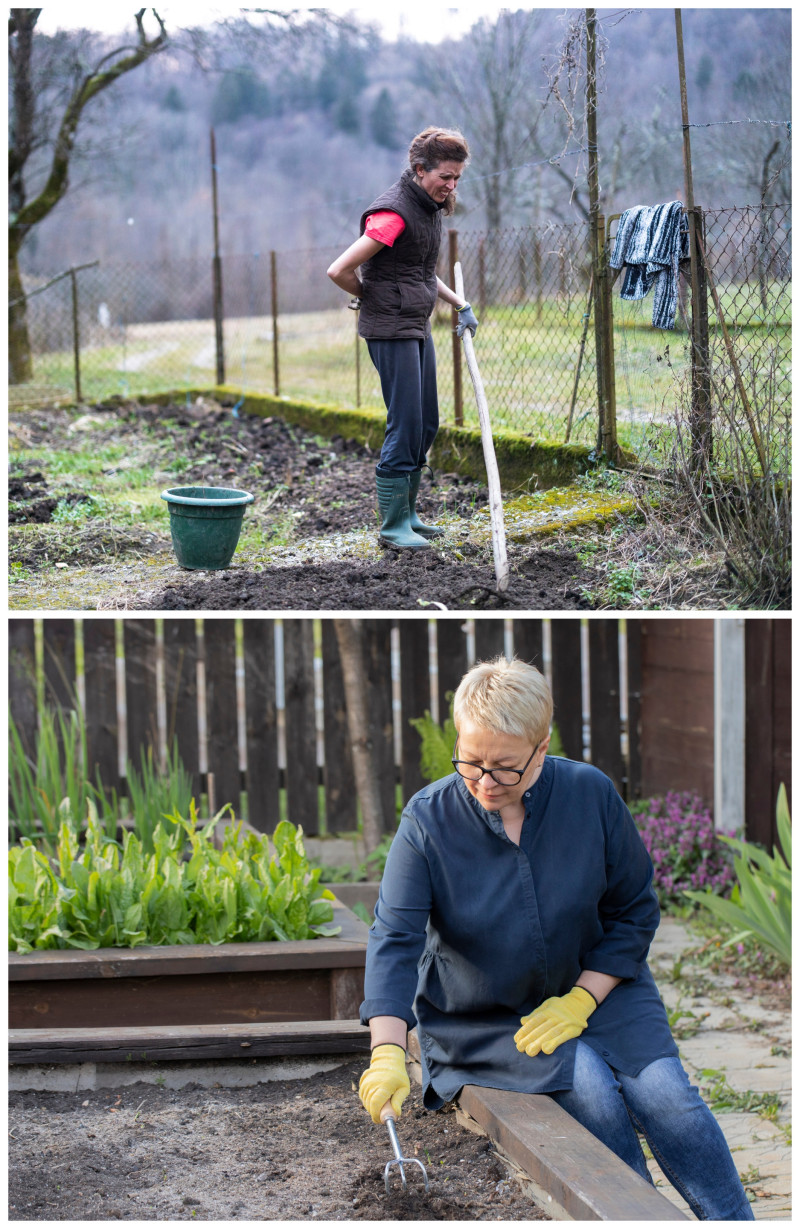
(148, 327)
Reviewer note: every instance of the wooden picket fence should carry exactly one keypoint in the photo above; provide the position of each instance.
(256, 739)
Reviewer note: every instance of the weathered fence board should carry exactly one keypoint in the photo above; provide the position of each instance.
(415, 698)
(301, 737)
(140, 687)
(261, 724)
(489, 638)
(567, 674)
(221, 712)
(59, 661)
(768, 724)
(633, 644)
(379, 656)
(102, 732)
(528, 641)
(22, 680)
(180, 685)
(604, 698)
(340, 786)
(451, 653)
(678, 705)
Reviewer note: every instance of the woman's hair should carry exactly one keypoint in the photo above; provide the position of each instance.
(506, 697)
(437, 145)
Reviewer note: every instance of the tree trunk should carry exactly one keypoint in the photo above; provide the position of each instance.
(20, 359)
(350, 639)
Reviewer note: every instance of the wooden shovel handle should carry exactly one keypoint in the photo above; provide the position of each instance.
(388, 1112)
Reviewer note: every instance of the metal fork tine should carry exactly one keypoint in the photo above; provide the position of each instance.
(399, 1160)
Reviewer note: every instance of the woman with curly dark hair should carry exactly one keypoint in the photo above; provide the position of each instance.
(397, 290)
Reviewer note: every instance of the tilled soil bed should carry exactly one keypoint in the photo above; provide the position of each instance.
(84, 498)
(287, 1150)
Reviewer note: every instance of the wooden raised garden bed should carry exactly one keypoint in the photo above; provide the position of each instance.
(234, 983)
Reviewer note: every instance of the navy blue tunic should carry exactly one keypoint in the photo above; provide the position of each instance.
(471, 931)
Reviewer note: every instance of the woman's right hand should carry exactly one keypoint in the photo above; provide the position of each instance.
(386, 1079)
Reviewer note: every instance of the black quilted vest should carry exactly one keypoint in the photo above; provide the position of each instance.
(399, 282)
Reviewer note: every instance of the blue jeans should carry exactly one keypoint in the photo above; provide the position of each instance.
(683, 1134)
(407, 369)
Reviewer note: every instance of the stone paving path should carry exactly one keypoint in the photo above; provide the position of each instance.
(749, 1043)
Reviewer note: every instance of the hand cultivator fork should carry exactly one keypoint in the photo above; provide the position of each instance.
(388, 1116)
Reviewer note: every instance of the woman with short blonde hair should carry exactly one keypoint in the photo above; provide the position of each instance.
(512, 930)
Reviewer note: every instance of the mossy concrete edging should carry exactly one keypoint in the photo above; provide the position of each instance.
(522, 461)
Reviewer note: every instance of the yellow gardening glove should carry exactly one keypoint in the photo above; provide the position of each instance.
(556, 1020)
(386, 1078)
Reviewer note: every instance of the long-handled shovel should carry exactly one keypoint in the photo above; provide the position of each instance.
(492, 472)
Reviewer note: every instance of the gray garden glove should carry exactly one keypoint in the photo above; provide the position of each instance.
(466, 320)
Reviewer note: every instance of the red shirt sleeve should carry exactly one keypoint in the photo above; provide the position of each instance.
(384, 226)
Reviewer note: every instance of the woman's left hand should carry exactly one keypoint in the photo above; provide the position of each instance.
(555, 1021)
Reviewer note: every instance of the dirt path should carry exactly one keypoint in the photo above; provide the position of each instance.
(89, 530)
(287, 1150)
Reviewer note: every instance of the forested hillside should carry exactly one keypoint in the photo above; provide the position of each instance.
(311, 124)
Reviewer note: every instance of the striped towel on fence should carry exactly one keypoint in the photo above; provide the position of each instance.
(652, 240)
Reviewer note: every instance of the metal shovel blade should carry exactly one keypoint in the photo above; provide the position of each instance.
(387, 1116)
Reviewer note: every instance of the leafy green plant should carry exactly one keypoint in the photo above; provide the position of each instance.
(437, 741)
(761, 901)
(104, 895)
(153, 794)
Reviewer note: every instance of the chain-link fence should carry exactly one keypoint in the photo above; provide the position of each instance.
(149, 327)
(747, 287)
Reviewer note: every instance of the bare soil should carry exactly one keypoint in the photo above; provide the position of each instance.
(286, 1150)
(298, 550)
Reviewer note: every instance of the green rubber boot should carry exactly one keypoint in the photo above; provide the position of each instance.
(426, 531)
(393, 501)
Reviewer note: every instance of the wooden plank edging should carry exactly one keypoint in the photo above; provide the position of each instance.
(202, 1042)
(561, 1157)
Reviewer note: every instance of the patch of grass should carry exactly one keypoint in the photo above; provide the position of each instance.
(681, 1031)
(722, 1098)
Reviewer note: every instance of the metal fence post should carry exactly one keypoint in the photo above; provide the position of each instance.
(273, 274)
(458, 404)
(76, 340)
(217, 269)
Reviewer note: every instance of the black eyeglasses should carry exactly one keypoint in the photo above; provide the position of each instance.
(503, 776)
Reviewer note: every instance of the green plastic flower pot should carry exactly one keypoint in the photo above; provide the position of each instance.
(206, 522)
